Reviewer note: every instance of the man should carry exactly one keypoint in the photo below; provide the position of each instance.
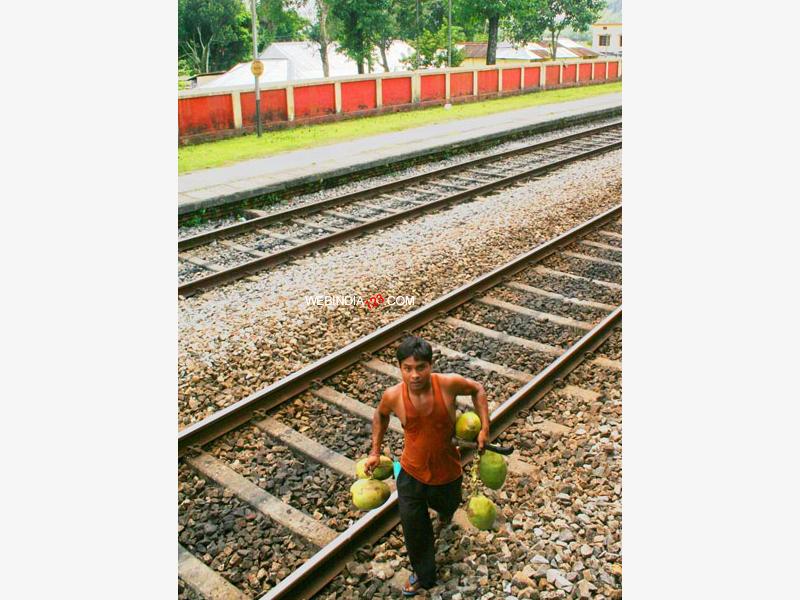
(425, 404)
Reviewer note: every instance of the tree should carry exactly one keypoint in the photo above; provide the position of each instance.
(433, 49)
(432, 15)
(278, 20)
(213, 34)
(321, 33)
(386, 32)
(554, 16)
(491, 12)
(360, 22)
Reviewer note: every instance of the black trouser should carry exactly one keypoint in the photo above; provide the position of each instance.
(414, 497)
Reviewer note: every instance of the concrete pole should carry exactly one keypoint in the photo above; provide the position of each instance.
(255, 58)
(449, 37)
(416, 61)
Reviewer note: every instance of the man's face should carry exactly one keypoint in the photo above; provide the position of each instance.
(416, 373)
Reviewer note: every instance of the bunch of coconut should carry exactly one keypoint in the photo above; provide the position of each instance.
(370, 491)
(492, 471)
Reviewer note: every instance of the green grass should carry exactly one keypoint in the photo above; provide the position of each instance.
(223, 152)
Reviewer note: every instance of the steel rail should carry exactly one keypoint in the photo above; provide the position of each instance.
(323, 566)
(228, 418)
(228, 230)
(192, 287)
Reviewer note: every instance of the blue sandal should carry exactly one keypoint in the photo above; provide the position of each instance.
(412, 581)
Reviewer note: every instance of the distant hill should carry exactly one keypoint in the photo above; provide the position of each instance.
(613, 13)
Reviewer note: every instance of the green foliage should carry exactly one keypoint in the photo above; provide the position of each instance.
(467, 9)
(213, 35)
(489, 16)
(361, 24)
(433, 49)
(279, 21)
(554, 16)
(184, 70)
(432, 15)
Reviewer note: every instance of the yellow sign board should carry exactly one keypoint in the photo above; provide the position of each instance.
(257, 68)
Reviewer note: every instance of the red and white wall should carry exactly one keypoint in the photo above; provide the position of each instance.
(204, 115)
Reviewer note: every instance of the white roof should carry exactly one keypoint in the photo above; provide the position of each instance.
(560, 52)
(274, 70)
(507, 51)
(304, 60)
(569, 43)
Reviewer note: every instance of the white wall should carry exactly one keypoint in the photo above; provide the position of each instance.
(614, 31)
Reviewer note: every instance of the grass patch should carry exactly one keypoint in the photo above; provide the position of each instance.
(223, 152)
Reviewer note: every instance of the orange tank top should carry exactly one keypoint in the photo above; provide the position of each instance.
(428, 454)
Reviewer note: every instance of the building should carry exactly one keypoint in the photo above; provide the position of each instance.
(295, 61)
(509, 54)
(607, 38)
(204, 78)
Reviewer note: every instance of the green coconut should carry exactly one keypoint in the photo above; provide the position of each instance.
(369, 493)
(468, 426)
(492, 470)
(382, 470)
(481, 512)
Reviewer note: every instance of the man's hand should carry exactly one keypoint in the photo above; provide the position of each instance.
(372, 461)
(456, 385)
(483, 437)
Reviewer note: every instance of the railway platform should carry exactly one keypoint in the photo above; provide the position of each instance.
(209, 188)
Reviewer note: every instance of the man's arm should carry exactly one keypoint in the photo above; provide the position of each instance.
(464, 386)
(380, 423)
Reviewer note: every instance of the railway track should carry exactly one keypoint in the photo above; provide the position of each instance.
(264, 508)
(235, 251)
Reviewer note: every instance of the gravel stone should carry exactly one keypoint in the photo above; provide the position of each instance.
(329, 221)
(549, 305)
(585, 268)
(244, 543)
(189, 272)
(300, 232)
(574, 288)
(519, 325)
(262, 242)
(187, 593)
(218, 254)
(365, 212)
(475, 344)
(362, 384)
(604, 253)
(604, 239)
(334, 428)
(612, 348)
(298, 481)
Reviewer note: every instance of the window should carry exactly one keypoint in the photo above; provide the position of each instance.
(620, 41)
(604, 40)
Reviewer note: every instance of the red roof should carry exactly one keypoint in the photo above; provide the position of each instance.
(475, 49)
